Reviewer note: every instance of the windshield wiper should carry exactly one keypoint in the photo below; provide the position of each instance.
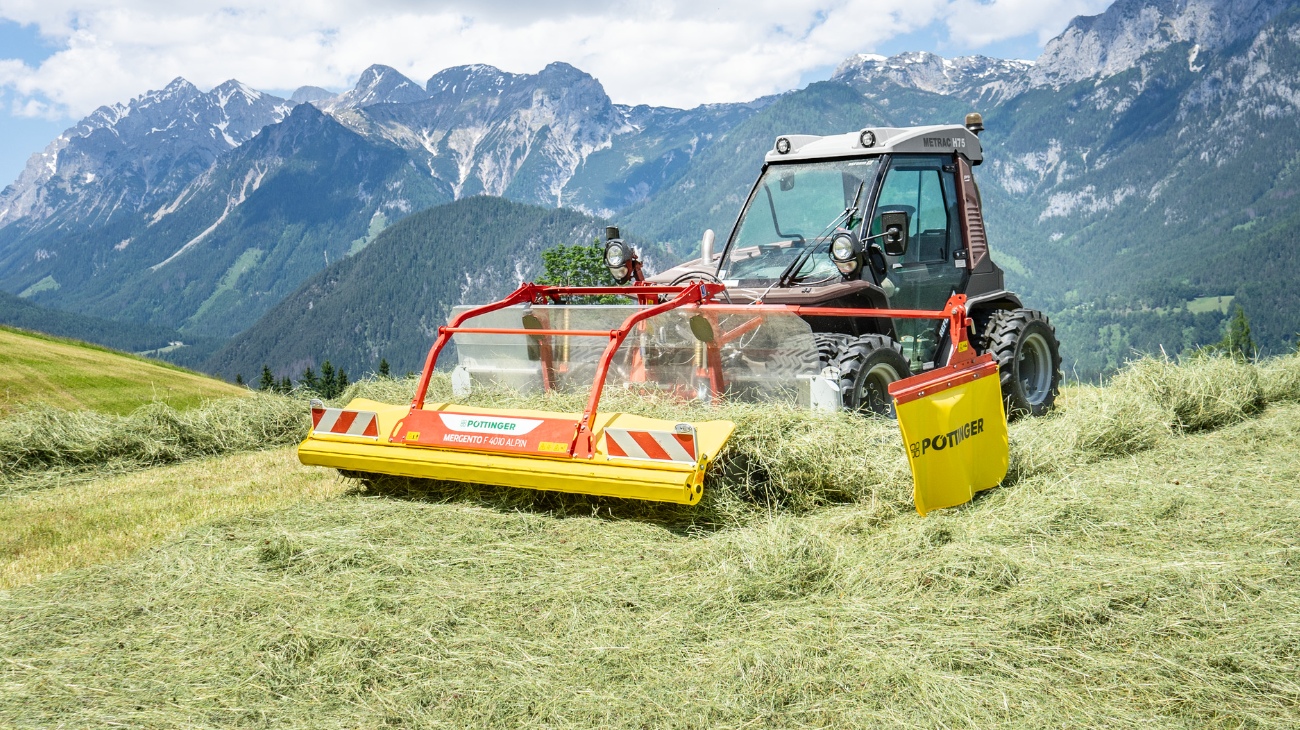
(786, 275)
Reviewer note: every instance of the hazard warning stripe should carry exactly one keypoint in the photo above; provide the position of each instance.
(345, 423)
(622, 443)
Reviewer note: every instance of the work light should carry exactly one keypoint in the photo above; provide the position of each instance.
(846, 251)
(616, 254)
(844, 248)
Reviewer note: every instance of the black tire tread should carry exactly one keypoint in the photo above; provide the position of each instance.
(999, 338)
(829, 345)
(858, 351)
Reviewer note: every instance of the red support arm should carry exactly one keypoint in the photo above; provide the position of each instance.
(690, 294)
(525, 293)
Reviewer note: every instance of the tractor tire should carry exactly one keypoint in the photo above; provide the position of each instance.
(868, 364)
(1023, 342)
(829, 345)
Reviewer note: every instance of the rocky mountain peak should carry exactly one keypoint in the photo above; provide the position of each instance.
(378, 84)
(1106, 44)
(150, 146)
(968, 77)
(469, 80)
(306, 94)
(236, 89)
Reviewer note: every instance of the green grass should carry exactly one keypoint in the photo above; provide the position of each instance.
(1210, 304)
(71, 525)
(73, 375)
(46, 284)
(1139, 568)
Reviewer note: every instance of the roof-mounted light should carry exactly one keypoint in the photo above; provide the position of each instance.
(867, 138)
(782, 145)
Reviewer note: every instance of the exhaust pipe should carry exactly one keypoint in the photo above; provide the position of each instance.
(706, 247)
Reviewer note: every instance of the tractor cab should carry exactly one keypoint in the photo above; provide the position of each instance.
(881, 206)
(874, 219)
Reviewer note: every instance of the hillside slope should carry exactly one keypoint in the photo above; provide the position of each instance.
(128, 337)
(74, 375)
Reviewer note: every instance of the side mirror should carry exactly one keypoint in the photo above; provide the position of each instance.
(894, 225)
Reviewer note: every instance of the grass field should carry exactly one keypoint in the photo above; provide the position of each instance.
(37, 368)
(1140, 568)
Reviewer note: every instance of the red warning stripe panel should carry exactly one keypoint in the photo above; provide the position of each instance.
(621, 443)
(341, 422)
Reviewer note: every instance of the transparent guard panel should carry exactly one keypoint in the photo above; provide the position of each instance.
(752, 356)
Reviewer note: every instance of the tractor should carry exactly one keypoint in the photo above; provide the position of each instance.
(878, 219)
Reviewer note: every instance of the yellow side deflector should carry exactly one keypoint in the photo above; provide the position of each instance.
(955, 431)
(403, 449)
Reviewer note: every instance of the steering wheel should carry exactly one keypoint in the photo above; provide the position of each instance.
(701, 276)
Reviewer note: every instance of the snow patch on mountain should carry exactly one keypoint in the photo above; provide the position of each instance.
(969, 77)
(133, 155)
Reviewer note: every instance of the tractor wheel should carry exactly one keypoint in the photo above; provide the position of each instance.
(868, 364)
(1023, 342)
(829, 345)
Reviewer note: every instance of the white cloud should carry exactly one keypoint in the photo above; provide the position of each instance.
(977, 23)
(669, 52)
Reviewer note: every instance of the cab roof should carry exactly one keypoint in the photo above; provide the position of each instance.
(941, 139)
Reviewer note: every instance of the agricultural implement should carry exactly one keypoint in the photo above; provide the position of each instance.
(857, 276)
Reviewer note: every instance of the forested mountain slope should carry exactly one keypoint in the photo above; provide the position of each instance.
(389, 300)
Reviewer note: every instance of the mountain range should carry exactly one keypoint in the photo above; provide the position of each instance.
(1140, 168)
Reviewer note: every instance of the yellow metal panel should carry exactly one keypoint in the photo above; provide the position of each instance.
(659, 481)
(956, 443)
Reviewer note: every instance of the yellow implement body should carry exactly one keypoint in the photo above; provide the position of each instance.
(631, 456)
(955, 431)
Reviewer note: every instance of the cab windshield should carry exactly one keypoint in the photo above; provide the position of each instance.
(796, 207)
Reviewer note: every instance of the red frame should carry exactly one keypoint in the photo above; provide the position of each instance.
(700, 294)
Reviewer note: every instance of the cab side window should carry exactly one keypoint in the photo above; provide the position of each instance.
(918, 189)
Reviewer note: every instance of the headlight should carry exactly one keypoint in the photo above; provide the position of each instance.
(782, 145)
(867, 138)
(616, 254)
(844, 248)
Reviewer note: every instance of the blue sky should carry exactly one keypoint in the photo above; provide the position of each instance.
(60, 59)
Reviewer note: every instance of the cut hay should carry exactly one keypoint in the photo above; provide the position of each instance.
(46, 443)
(781, 459)
(1155, 591)
(1201, 392)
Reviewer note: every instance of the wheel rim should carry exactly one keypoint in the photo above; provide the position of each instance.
(1034, 368)
(875, 389)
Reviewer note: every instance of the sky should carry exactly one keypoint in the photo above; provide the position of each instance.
(61, 59)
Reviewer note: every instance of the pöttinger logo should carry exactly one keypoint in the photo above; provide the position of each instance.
(488, 424)
(941, 441)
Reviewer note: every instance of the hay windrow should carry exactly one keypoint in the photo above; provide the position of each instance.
(779, 459)
(1202, 393)
(44, 443)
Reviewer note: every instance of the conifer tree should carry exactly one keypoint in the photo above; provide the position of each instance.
(239, 378)
(383, 368)
(327, 383)
(340, 382)
(286, 385)
(309, 381)
(1237, 341)
(268, 380)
